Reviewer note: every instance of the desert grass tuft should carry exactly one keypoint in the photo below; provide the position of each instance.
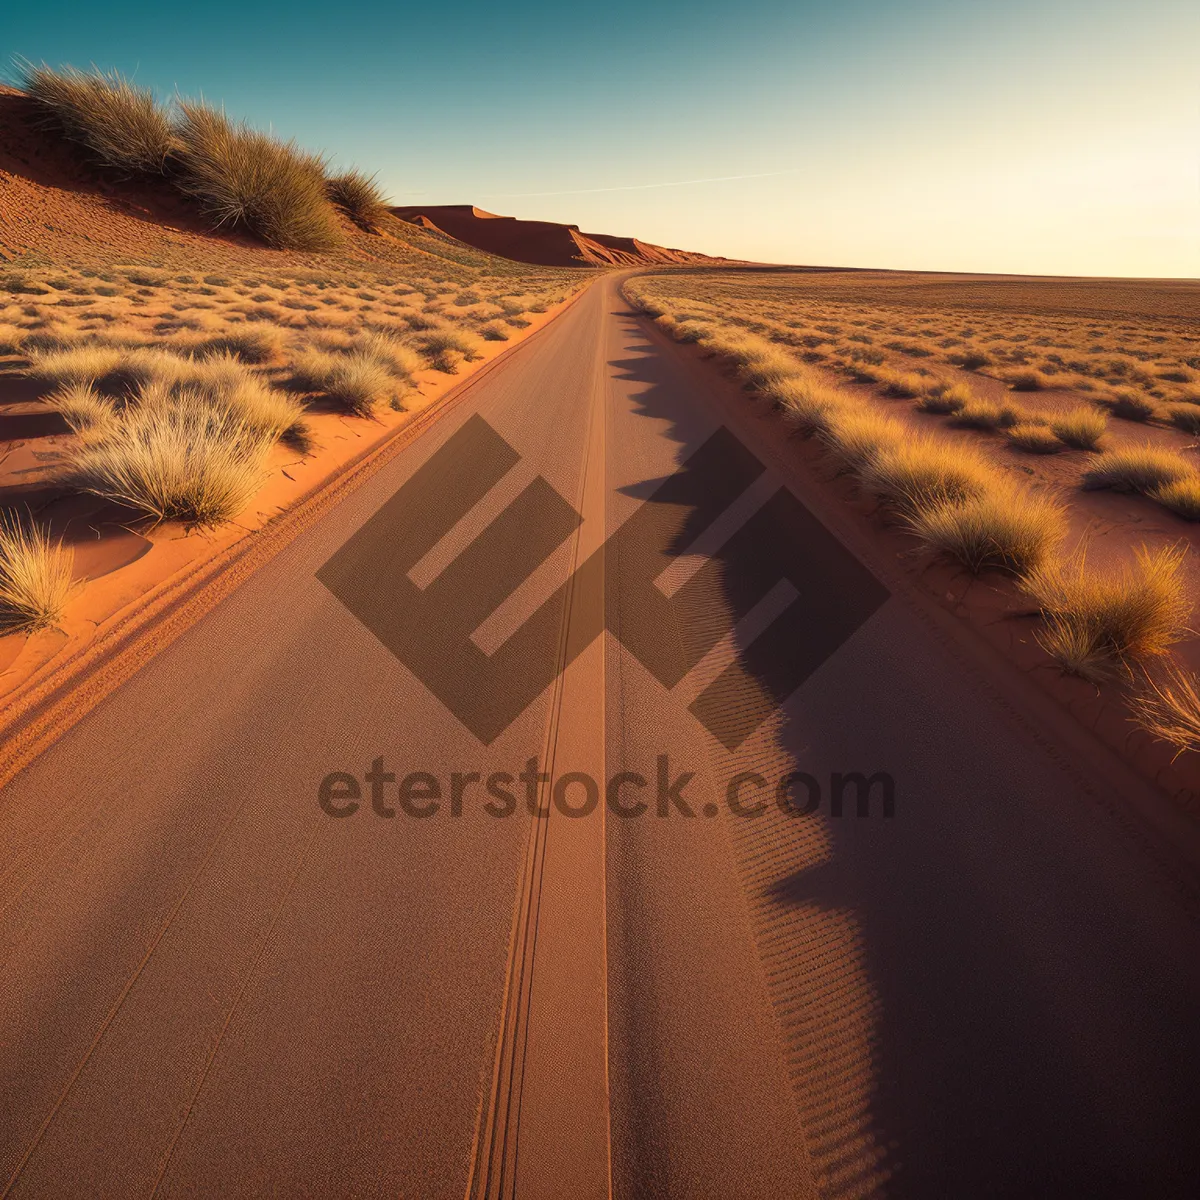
(120, 125)
(760, 361)
(922, 471)
(1181, 496)
(1130, 406)
(494, 331)
(1099, 619)
(1006, 527)
(1137, 469)
(951, 399)
(905, 384)
(183, 459)
(359, 196)
(82, 365)
(1081, 428)
(1166, 704)
(83, 409)
(445, 348)
(858, 434)
(255, 344)
(983, 414)
(1034, 439)
(35, 577)
(245, 178)
(805, 401)
(12, 338)
(1025, 380)
(401, 360)
(357, 381)
(1184, 416)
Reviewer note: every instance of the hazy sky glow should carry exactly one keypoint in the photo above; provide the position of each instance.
(1047, 136)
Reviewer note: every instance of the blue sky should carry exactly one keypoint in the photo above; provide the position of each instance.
(1051, 137)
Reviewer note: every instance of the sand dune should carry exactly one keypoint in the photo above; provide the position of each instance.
(544, 243)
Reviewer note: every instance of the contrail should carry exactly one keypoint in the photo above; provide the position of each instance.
(637, 187)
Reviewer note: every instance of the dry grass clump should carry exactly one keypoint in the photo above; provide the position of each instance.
(147, 377)
(251, 401)
(256, 344)
(1005, 527)
(358, 382)
(401, 360)
(1184, 416)
(1098, 619)
(950, 399)
(1130, 406)
(82, 365)
(1166, 704)
(12, 338)
(494, 331)
(1027, 380)
(245, 178)
(760, 361)
(983, 414)
(805, 401)
(1181, 496)
(446, 348)
(1081, 428)
(1137, 469)
(905, 384)
(359, 196)
(119, 124)
(970, 360)
(35, 577)
(1034, 439)
(179, 459)
(693, 331)
(921, 472)
(83, 409)
(857, 435)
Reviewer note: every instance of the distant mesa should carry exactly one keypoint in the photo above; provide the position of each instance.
(543, 243)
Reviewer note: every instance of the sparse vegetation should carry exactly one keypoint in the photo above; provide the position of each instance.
(357, 381)
(951, 399)
(1137, 469)
(256, 344)
(243, 178)
(1129, 406)
(446, 348)
(1185, 417)
(981, 414)
(1081, 428)
(805, 401)
(178, 459)
(1181, 496)
(1004, 527)
(965, 505)
(1098, 619)
(119, 124)
(35, 577)
(1035, 439)
(1166, 703)
(923, 472)
(358, 195)
(83, 409)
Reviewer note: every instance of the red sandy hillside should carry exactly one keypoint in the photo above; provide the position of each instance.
(545, 243)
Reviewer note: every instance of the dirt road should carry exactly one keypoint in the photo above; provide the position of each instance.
(275, 918)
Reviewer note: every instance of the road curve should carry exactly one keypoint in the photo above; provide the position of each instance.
(602, 559)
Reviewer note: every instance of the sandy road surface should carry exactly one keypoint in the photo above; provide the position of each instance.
(209, 986)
